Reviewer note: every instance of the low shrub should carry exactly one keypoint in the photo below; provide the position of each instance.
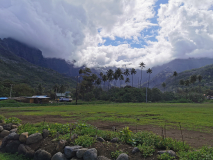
(85, 141)
(165, 156)
(147, 150)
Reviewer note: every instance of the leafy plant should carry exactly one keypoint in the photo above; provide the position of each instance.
(116, 154)
(2, 117)
(165, 156)
(12, 120)
(146, 149)
(125, 135)
(205, 153)
(85, 141)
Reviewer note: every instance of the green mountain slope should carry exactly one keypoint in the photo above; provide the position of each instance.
(206, 72)
(19, 70)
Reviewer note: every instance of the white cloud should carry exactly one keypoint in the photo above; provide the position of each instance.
(69, 29)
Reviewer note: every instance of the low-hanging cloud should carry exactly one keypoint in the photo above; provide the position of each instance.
(74, 30)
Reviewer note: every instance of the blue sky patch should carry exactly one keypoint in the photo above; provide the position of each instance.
(148, 34)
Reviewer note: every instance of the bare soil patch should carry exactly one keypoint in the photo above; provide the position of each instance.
(195, 139)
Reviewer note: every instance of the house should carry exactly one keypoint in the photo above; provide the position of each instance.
(38, 99)
(64, 95)
(3, 98)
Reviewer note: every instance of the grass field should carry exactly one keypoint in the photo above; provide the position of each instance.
(197, 117)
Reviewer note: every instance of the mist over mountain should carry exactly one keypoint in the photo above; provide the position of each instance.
(36, 57)
(16, 69)
(158, 76)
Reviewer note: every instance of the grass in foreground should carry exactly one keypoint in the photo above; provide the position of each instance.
(191, 116)
(7, 156)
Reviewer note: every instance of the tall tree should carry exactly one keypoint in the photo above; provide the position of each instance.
(199, 77)
(40, 89)
(175, 75)
(126, 72)
(115, 77)
(164, 85)
(101, 74)
(56, 88)
(133, 72)
(149, 71)
(104, 78)
(193, 79)
(110, 76)
(62, 89)
(98, 81)
(121, 78)
(142, 65)
(127, 81)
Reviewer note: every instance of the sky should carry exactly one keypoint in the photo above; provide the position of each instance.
(100, 33)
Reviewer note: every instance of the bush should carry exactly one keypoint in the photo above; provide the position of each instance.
(85, 141)
(203, 153)
(147, 150)
(12, 120)
(165, 156)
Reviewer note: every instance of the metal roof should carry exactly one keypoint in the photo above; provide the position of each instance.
(40, 97)
(3, 98)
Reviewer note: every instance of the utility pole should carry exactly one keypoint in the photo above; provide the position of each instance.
(11, 85)
(76, 93)
(146, 92)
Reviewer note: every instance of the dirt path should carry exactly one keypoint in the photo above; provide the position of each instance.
(194, 138)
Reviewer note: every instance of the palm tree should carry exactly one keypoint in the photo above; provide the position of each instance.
(101, 74)
(126, 72)
(115, 77)
(142, 65)
(98, 81)
(127, 80)
(149, 71)
(55, 88)
(199, 77)
(119, 72)
(121, 78)
(164, 85)
(62, 89)
(187, 82)
(94, 77)
(133, 71)
(110, 76)
(104, 78)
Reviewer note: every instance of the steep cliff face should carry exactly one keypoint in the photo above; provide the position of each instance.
(19, 70)
(30, 54)
(35, 56)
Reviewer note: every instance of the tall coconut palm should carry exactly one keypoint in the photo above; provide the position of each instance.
(199, 77)
(119, 72)
(127, 81)
(104, 78)
(110, 76)
(175, 75)
(149, 71)
(121, 78)
(115, 76)
(133, 72)
(98, 81)
(164, 85)
(101, 74)
(142, 65)
(126, 73)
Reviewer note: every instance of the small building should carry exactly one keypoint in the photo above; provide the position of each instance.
(38, 99)
(3, 98)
